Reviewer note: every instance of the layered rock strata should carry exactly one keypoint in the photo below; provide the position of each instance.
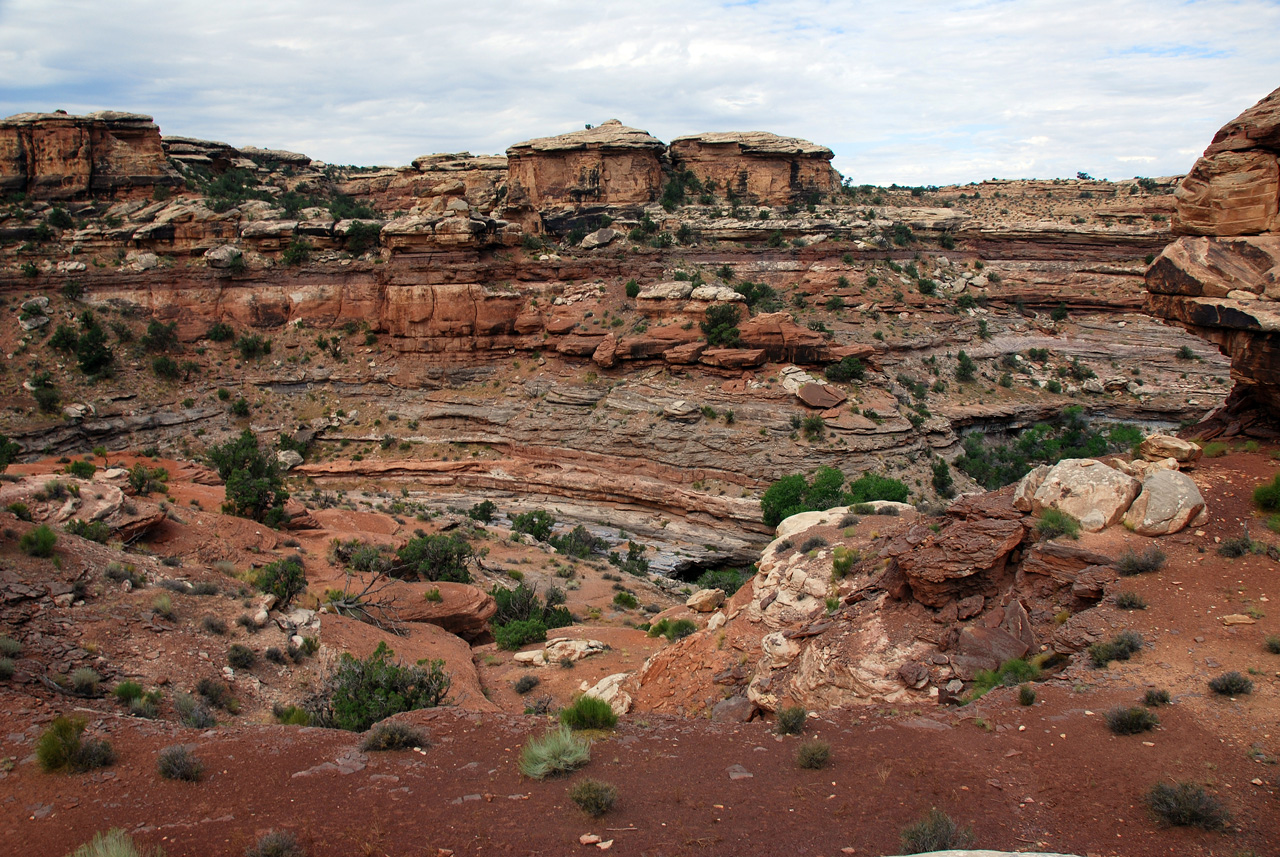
(757, 167)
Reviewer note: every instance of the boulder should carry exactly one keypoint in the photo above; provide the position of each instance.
(821, 396)
(1161, 446)
(1092, 493)
(600, 238)
(735, 709)
(914, 674)
(610, 689)
(288, 458)
(705, 600)
(980, 648)
(463, 609)
(224, 256)
(561, 649)
(966, 558)
(1170, 500)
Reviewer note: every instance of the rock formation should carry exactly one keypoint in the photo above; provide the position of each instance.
(757, 167)
(59, 156)
(1222, 276)
(609, 164)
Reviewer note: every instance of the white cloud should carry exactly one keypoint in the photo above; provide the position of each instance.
(907, 92)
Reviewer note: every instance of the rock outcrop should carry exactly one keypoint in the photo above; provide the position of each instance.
(757, 167)
(59, 156)
(1221, 279)
(609, 164)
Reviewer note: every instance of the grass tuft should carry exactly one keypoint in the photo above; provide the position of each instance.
(791, 720)
(594, 797)
(1130, 563)
(589, 712)
(276, 843)
(559, 751)
(1131, 721)
(936, 831)
(392, 736)
(1155, 698)
(813, 755)
(114, 843)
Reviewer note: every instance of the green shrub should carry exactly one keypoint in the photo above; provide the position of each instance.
(935, 832)
(284, 578)
(179, 763)
(1011, 673)
(842, 560)
(1131, 601)
(1070, 435)
(483, 511)
(297, 253)
(114, 843)
(625, 601)
(392, 735)
(127, 691)
(362, 237)
(1119, 648)
(673, 630)
(19, 510)
(728, 579)
(848, 369)
(62, 747)
(1130, 563)
(276, 843)
(94, 531)
(589, 712)
(359, 693)
(791, 720)
(632, 289)
(38, 541)
(254, 485)
(536, 523)
(813, 754)
(870, 486)
(558, 751)
(1054, 523)
(1272, 644)
(1026, 695)
(721, 325)
(7, 668)
(793, 494)
(252, 346)
(1231, 684)
(593, 797)
(1131, 721)
(1238, 546)
(241, 657)
(192, 712)
(578, 543)
(159, 336)
(1267, 497)
(82, 469)
(290, 715)
(1187, 805)
(9, 647)
(443, 556)
(85, 681)
(220, 331)
(526, 683)
(1156, 698)
(520, 632)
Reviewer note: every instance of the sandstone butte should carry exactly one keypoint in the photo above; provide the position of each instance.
(639, 338)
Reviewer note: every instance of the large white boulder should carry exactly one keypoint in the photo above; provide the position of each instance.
(1159, 446)
(1169, 502)
(1087, 490)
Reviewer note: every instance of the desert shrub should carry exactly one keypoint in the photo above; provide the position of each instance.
(179, 763)
(870, 486)
(276, 843)
(589, 712)
(38, 541)
(791, 720)
(85, 681)
(1026, 695)
(162, 606)
(632, 289)
(362, 237)
(254, 485)
(19, 510)
(9, 647)
(290, 715)
(145, 480)
(159, 336)
(672, 629)
(721, 325)
(274, 655)
(1131, 601)
(114, 843)
(536, 523)
(1132, 720)
(1156, 698)
(813, 754)
(445, 556)
(94, 531)
(1130, 563)
(1272, 644)
(241, 657)
(1237, 546)
(794, 494)
(218, 695)
(120, 573)
(1187, 805)
(519, 632)
(625, 601)
(526, 683)
(1011, 673)
(935, 831)
(127, 691)
(285, 579)
(483, 511)
(62, 747)
(392, 735)
(360, 692)
(1267, 497)
(1054, 523)
(842, 560)
(1231, 684)
(214, 625)
(7, 668)
(82, 469)
(192, 712)
(145, 708)
(220, 331)
(848, 369)
(728, 579)
(593, 797)
(1119, 648)
(558, 751)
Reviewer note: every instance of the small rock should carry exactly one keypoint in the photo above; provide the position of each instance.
(588, 839)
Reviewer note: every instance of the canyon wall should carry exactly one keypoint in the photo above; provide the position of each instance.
(58, 156)
(758, 167)
(1221, 278)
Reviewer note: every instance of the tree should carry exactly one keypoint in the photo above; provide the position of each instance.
(255, 488)
(92, 351)
(439, 557)
(8, 452)
(537, 524)
(965, 368)
(721, 326)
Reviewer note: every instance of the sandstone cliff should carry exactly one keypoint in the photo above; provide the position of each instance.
(758, 167)
(58, 156)
(1220, 278)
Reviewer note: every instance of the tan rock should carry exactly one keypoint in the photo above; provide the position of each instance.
(763, 168)
(609, 164)
(822, 396)
(611, 690)
(1169, 501)
(1238, 619)
(1229, 193)
(705, 600)
(1092, 493)
(1160, 446)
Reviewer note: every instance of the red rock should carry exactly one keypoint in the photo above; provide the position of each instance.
(734, 358)
(763, 168)
(966, 558)
(606, 354)
(609, 164)
(684, 354)
(821, 396)
(462, 609)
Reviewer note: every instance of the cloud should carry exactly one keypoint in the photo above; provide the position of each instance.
(913, 92)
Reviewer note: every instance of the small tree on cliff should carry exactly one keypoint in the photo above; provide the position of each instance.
(721, 326)
(255, 488)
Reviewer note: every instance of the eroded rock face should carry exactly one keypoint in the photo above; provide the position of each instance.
(966, 558)
(757, 166)
(58, 156)
(609, 164)
(1087, 490)
(1221, 279)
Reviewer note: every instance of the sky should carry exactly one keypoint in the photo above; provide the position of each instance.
(909, 91)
